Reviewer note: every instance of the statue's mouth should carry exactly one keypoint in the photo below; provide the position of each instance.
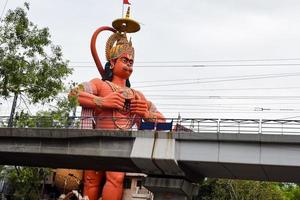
(127, 69)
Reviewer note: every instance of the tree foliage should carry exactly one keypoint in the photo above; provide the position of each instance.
(27, 182)
(29, 62)
(32, 65)
(291, 191)
(226, 189)
(57, 117)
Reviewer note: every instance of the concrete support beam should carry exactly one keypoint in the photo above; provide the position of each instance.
(170, 188)
(157, 154)
(164, 154)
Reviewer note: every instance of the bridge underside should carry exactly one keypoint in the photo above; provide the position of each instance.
(188, 155)
(243, 171)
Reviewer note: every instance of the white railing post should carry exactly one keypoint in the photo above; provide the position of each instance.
(260, 127)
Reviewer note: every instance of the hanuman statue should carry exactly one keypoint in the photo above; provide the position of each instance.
(112, 102)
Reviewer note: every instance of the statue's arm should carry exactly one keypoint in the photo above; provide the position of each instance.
(89, 95)
(146, 109)
(86, 93)
(154, 114)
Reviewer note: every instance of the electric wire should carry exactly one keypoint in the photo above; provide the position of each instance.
(225, 104)
(221, 89)
(196, 97)
(256, 108)
(220, 77)
(216, 97)
(24, 101)
(3, 10)
(226, 112)
(231, 109)
(202, 65)
(216, 81)
(212, 80)
(291, 117)
(209, 61)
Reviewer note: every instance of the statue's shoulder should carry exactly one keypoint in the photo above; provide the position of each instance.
(139, 94)
(98, 82)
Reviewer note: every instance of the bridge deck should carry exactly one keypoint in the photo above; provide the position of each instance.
(270, 157)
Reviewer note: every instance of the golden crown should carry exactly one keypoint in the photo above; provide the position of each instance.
(117, 44)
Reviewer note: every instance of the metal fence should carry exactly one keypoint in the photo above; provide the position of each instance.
(198, 125)
(241, 126)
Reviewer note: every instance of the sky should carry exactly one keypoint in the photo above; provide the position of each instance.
(199, 58)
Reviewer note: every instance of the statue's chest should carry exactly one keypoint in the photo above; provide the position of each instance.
(109, 87)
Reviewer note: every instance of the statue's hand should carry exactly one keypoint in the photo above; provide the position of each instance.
(139, 107)
(114, 100)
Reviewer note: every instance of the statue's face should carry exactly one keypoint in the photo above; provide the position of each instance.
(123, 66)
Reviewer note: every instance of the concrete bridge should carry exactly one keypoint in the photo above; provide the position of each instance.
(183, 157)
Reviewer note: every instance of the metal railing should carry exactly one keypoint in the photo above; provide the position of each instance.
(240, 126)
(197, 125)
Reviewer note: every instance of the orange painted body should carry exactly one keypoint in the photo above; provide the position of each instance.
(112, 189)
(107, 99)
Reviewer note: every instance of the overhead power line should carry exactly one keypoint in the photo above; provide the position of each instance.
(2, 13)
(179, 97)
(203, 65)
(250, 65)
(221, 80)
(257, 109)
(219, 77)
(220, 89)
(225, 112)
(225, 104)
(291, 117)
(206, 61)
(230, 110)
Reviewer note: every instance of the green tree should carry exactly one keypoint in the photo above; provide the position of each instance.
(226, 189)
(27, 182)
(291, 191)
(30, 63)
(56, 117)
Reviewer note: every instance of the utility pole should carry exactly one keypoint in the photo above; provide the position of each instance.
(12, 112)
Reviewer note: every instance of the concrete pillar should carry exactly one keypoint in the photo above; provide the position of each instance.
(170, 188)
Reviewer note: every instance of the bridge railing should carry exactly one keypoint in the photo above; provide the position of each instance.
(222, 125)
(241, 126)
(198, 125)
(281, 127)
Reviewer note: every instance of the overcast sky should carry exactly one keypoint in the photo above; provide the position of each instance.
(190, 42)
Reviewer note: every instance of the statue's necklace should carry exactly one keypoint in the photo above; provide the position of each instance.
(128, 93)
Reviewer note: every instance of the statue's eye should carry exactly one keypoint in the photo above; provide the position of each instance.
(127, 61)
(124, 60)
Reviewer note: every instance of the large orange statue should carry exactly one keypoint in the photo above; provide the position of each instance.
(114, 104)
